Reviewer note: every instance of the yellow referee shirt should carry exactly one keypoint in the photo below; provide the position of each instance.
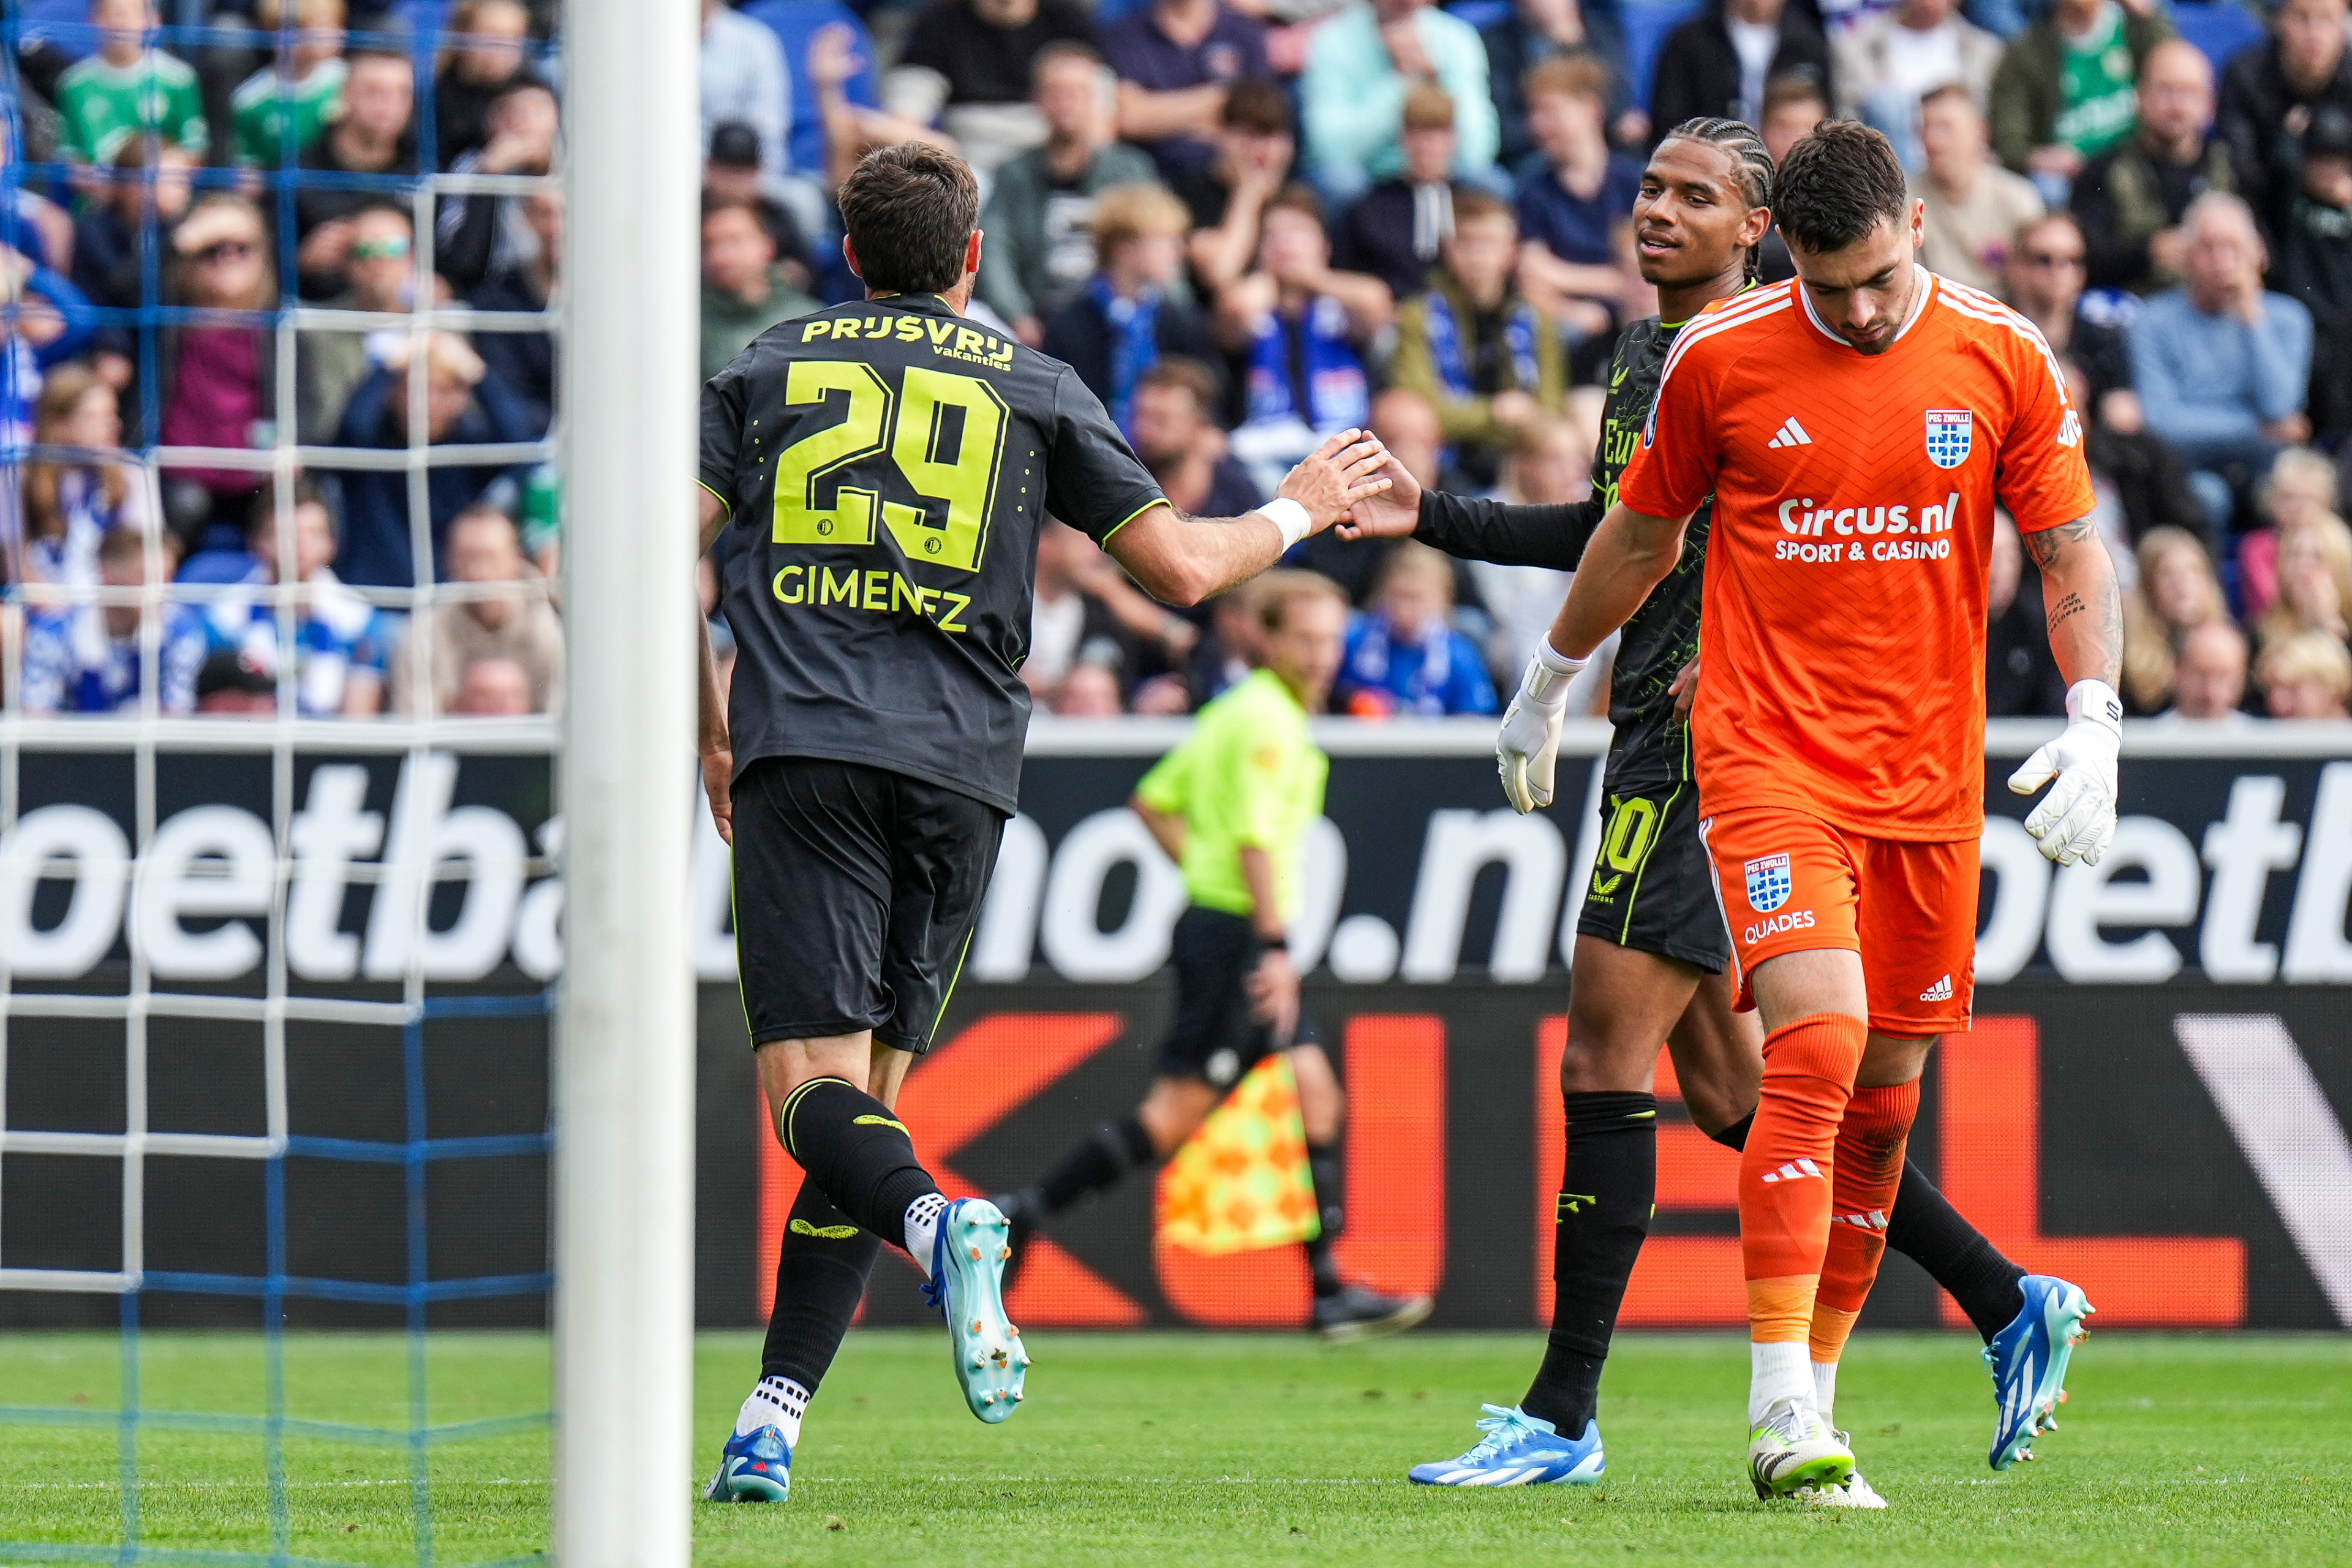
(1248, 777)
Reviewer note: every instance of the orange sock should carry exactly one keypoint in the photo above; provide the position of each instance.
(1785, 1171)
(1869, 1168)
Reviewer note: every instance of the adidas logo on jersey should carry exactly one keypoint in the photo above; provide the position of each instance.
(1874, 1220)
(1792, 435)
(1939, 992)
(1794, 1171)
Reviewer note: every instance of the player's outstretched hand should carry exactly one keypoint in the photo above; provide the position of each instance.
(718, 786)
(1329, 480)
(2077, 820)
(1390, 516)
(1529, 743)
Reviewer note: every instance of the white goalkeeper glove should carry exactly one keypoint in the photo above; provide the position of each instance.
(1529, 743)
(2077, 820)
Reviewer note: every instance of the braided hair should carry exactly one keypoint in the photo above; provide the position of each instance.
(1751, 163)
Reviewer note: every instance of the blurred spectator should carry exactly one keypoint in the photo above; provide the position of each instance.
(2130, 197)
(508, 616)
(1717, 62)
(2300, 486)
(465, 405)
(1548, 464)
(731, 172)
(1302, 330)
(744, 292)
(2175, 590)
(1228, 198)
(381, 271)
(967, 66)
(1089, 692)
(745, 82)
(525, 362)
(1974, 205)
(1352, 95)
(853, 129)
(2222, 365)
(2043, 273)
(2209, 680)
(2314, 266)
(492, 688)
(218, 384)
(1395, 229)
(72, 503)
(2022, 679)
(1403, 654)
(483, 59)
(1174, 433)
(1571, 201)
(1041, 207)
(2139, 481)
(1086, 611)
(1793, 104)
(1488, 361)
(2270, 91)
(372, 138)
(477, 234)
(1535, 31)
(338, 640)
(2065, 92)
(1175, 58)
(1888, 61)
(2314, 582)
(1124, 319)
(2306, 676)
(125, 88)
(1225, 656)
(281, 109)
(87, 659)
(108, 264)
(229, 687)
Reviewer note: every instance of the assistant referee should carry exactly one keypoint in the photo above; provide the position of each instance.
(884, 468)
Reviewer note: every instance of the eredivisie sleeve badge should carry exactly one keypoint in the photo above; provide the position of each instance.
(1950, 435)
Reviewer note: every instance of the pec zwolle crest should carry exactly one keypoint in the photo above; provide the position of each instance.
(1948, 433)
(1768, 883)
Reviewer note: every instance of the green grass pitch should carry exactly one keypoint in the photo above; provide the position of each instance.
(1189, 1450)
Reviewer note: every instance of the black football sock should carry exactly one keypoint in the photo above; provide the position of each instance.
(1608, 1186)
(1331, 1209)
(1735, 1136)
(1925, 1227)
(859, 1154)
(1101, 1160)
(821, 1274)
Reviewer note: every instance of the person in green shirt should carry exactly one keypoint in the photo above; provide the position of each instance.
(305, 84)
(1233, 806)
(2066, 90)
(127, 89)
(744, 292)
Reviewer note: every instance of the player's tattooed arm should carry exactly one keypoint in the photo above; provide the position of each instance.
(2080, 596)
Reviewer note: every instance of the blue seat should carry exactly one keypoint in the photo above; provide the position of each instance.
(2217, 27)
(794, 22)
(1646, 27)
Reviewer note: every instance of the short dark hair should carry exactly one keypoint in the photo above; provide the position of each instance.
(1057, 51)
(1840, 182)
(1797, 86)
(1472, 204)
(1253, 104)
(1184, 374)
(910, 210)
(264, 511)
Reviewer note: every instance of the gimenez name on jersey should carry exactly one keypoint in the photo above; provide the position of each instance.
(1802, 517)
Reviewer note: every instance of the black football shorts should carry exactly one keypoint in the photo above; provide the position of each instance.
(1215, 1037)
(1653, 887)
(857, 890)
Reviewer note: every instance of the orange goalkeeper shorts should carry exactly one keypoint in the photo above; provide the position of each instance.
(1788, 882)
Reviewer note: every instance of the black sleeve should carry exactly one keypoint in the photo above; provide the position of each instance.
(722, 431)
(2111, 261)
(1094, 481)
(934, 39)
(1507, 536)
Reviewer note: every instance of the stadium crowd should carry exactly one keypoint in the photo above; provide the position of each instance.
(1243, 222)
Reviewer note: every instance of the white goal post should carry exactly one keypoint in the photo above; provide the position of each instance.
(625, 1043)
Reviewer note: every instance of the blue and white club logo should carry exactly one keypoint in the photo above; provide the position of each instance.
(1949, 435)
(1768, 883)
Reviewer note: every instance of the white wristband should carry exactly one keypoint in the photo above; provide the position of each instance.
(1548, 673)
(1288, 516)
(2094, 703)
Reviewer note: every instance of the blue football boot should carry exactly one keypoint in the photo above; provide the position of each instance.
(969, 1253)
(756, 1467)
(1519, 1451)
(2029, 1364)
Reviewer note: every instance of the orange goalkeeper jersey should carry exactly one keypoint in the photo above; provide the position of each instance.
(1843, 627)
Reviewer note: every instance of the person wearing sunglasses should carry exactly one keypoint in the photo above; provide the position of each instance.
(380, 278)
(217, 378)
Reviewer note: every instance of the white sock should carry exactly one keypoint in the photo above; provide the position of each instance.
(1777, 1371)
(923, 1229)
(1825, 1389)
(777, 1402)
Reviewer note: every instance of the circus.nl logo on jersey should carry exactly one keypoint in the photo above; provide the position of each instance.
(1949, 436)
(1768, 883)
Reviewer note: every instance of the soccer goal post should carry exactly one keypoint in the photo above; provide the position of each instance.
(624, 1051)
